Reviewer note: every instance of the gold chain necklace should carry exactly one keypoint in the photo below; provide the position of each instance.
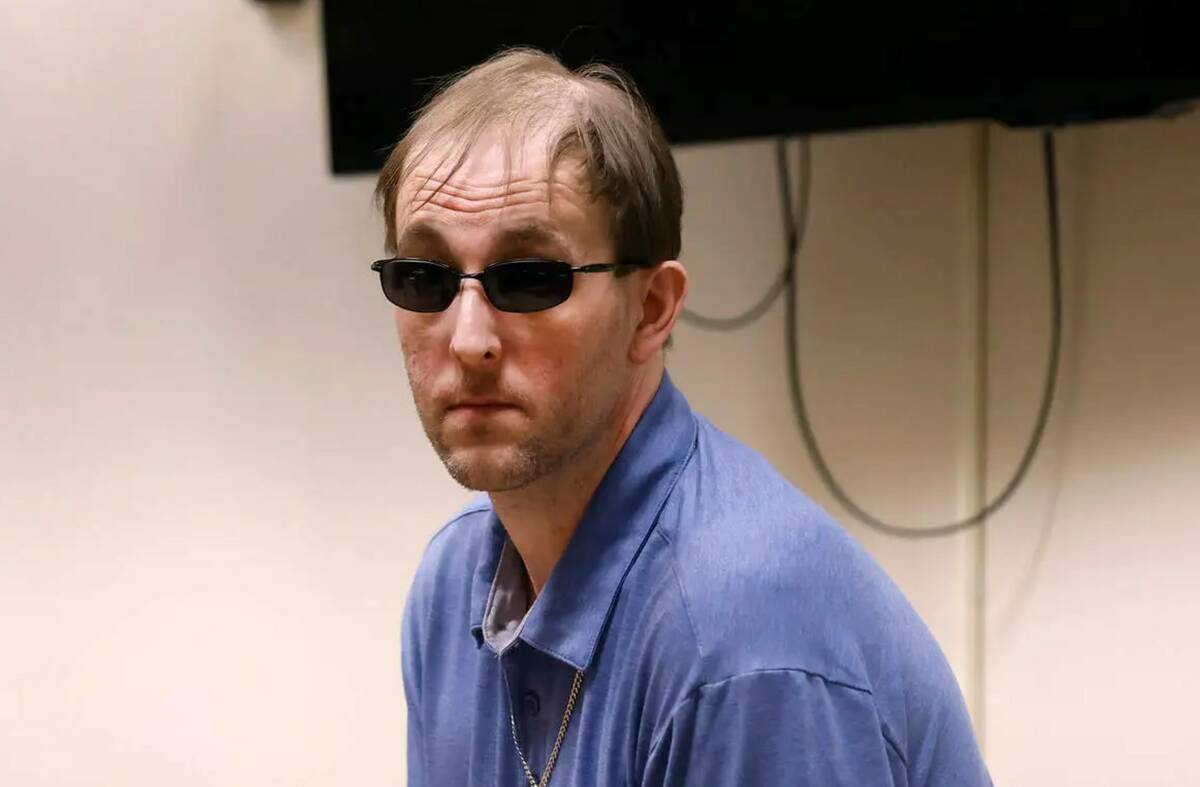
(562, 732)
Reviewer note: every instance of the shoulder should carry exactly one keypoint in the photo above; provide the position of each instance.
(443, 577)
(465, 528)
(772, 582)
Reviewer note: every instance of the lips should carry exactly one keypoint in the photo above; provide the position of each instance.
(481, 407)
(480, 403)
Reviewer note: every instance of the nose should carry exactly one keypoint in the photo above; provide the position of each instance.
(474, 341)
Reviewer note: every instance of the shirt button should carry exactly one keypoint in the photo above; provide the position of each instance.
(533, 704)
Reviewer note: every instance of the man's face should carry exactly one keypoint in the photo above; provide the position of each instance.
(507, 398)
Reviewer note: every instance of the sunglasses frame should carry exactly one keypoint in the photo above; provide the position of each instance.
(593, 267)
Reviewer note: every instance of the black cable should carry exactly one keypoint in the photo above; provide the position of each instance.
(802, 417)
(760, 308)
(739, 321)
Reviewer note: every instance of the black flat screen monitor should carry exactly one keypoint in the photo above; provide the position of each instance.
(754, 69)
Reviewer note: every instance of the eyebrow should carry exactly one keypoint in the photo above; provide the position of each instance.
(416, 232)
(526, 233)
(532, 232)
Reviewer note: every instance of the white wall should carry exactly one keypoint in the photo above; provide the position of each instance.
(213, 489)
(1095, 592)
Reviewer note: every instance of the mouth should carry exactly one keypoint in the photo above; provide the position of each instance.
(480, 408)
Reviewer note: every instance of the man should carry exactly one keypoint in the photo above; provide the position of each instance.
(637, 599)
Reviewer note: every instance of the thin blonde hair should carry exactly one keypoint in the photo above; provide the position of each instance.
(595, 112)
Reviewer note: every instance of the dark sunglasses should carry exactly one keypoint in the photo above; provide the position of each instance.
(527, 285)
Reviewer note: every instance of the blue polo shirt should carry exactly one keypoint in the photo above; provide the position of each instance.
(729, 632)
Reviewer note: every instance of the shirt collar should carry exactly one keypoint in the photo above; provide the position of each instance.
(573, 608)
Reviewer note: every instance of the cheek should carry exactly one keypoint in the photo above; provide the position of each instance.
(546, 353)
(561, 354)
(417, 345)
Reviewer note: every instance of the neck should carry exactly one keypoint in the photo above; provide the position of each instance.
(541, 518)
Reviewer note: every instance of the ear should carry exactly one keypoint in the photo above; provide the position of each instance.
(663, 295)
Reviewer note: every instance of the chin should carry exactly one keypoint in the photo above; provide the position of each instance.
(491, 468)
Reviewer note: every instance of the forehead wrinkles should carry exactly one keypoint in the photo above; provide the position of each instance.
(501, 156)
(479, 197)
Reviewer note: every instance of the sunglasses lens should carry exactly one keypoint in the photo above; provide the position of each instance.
(528, 286)
(418, 286)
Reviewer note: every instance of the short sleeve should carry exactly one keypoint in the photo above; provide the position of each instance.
(774, 727)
